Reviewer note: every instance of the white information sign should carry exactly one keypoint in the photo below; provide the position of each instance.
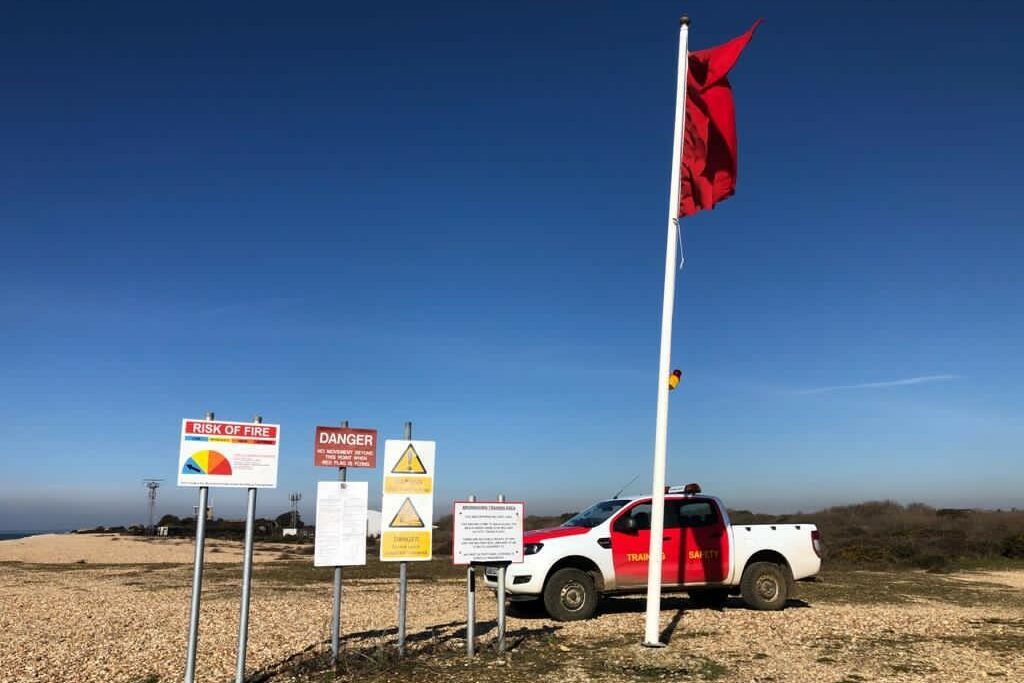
(340, 523)
(233, 454)
(487, 531)
(407, 507)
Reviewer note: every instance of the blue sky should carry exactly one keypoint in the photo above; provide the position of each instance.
(453, 213)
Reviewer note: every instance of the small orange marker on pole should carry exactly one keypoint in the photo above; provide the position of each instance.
(674, 378)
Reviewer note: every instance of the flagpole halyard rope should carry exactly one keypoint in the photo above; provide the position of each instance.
(679, 236)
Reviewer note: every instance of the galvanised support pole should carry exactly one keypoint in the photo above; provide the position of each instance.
(403, 578)
(197, 580)
(471, 605)
(243, 616)
(336, 611)
(501, 597)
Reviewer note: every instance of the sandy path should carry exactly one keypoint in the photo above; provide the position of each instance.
(115, 549)
(1008, 579)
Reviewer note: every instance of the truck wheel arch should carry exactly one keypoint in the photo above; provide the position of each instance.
(774, 557)
(582, 563)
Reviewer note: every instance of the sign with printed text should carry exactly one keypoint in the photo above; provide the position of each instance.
(345, 447)
(340, 538)
(407, 507)
(231, 454)
(487, 532)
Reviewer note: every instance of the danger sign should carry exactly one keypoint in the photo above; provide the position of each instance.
(407, 507)
(345, 447)
(406, 517)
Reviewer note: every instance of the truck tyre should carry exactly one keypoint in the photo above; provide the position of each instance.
(569, 595)
(764, 586)
(712, 598)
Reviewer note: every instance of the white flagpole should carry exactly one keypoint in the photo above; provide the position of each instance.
(651, 630)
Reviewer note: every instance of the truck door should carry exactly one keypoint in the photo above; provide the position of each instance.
(705, 553)
(631, 543)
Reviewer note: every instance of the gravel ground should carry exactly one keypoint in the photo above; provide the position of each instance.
(128, 623)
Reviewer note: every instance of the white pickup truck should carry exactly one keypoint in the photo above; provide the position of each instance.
(604, 550)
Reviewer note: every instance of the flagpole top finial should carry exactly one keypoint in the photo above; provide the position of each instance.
(684, 20)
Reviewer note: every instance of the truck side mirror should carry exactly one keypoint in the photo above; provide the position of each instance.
(626, 525)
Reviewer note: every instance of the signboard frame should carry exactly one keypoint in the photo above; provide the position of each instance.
(252, 451)
(357, 491)
(349, 455)
(483, 563)
(408, 497)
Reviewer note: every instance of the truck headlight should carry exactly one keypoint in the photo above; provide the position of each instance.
(532, 548)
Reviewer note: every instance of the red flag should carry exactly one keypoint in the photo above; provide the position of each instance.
(709, 140)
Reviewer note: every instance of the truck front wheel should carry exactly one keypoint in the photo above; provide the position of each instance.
(764, 586)
(570, 595)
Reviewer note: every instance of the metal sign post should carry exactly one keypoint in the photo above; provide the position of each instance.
(341, 448)
(501, 597)
(471, 605)
(341, 520)
(403, 577)
(243, 617)
(487, 533)
(407, 511)
(336, 611)
(197, 580)
(230, 455)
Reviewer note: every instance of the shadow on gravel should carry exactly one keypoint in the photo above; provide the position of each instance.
(534, 609)
(666, 634)
(367, 653)
(637, 605)
(517, 637)
(527, 609)
(624, 605)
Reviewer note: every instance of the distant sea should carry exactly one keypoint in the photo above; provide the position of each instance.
(11, 535)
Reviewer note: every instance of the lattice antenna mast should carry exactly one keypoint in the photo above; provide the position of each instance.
(152, 485)
(295, 498)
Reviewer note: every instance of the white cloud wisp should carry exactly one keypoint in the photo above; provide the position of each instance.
(882, 385)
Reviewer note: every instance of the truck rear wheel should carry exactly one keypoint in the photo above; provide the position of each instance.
(764, 586)
(570, 595)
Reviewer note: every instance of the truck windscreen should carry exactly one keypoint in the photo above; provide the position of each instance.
(595, 514)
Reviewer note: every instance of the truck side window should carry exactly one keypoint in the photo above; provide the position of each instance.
(695, 513)
(642, 514)
(672, 514)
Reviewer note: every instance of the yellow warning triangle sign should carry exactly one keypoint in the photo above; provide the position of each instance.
(409, 463)
(407, 517)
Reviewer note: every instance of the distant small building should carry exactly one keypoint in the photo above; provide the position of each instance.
(372, 527)
(373, 523)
